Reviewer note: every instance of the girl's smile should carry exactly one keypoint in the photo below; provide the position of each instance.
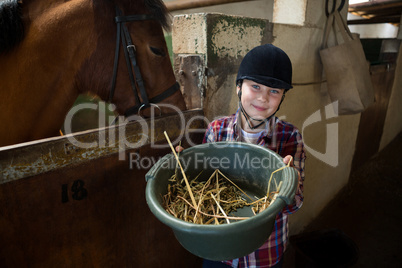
(258, 108)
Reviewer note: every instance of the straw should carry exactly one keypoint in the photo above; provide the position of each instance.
(182, 170)
(220, 208)
(269, 182)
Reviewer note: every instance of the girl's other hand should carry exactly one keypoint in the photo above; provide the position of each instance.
(286, 160)
(179, 148)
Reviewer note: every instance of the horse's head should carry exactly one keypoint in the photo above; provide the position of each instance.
(128, 40)
(52, 50)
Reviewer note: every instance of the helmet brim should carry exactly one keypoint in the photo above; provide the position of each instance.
(266, 81)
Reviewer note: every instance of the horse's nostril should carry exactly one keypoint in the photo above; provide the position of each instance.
(157, 51)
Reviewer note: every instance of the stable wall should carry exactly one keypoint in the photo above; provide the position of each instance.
(330, 139)
(393, 119)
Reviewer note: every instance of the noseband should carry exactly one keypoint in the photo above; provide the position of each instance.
(131, 61)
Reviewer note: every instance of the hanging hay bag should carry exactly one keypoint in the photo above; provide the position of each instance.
(346, 69)
(248, 166)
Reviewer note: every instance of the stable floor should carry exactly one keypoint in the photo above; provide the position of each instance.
(368, 211)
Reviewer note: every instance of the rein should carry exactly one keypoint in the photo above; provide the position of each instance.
(136, 81)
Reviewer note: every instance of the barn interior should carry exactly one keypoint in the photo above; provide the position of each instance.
(352, 189)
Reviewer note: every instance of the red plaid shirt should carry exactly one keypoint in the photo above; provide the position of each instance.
(284, 139)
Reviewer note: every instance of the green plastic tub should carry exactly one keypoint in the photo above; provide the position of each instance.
(250, 167)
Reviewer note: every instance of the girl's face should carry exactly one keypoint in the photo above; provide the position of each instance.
(259, 101)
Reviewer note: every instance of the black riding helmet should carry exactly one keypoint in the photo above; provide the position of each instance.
(267, 65)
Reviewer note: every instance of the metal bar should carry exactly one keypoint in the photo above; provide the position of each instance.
(32, 158)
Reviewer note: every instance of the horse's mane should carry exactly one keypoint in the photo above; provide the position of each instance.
(160, 12)
(11, 26)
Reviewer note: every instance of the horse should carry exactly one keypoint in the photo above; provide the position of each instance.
(53, 50)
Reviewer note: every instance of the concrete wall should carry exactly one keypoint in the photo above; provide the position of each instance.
(222, 40)
(329, 139)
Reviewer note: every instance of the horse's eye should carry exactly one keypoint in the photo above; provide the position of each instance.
(158, 52)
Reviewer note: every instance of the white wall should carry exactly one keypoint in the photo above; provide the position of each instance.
(259, 9)
(376, 30)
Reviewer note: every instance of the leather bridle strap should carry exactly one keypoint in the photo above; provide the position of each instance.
(131, 62)
(129, 54)
(165, 94)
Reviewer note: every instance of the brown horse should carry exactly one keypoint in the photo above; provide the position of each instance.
(53, 50)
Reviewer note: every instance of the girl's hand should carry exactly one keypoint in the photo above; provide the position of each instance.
(286, 160)
(179, 148)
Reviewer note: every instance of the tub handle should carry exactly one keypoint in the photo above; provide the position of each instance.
(152, 172)
(287, 194)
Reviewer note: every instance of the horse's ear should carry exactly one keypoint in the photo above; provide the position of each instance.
(11, 26)
(160, 12)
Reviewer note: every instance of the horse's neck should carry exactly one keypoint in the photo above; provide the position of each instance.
(37, 78)
(36, 97)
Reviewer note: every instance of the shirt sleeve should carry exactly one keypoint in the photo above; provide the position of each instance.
(210, 133)
(294, 146)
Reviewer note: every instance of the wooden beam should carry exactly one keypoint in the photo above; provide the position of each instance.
(375, 6)
(381, 19)
(187, 4)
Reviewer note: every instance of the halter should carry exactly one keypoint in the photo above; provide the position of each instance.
(131, 61)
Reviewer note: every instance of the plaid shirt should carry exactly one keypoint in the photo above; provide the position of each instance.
(284, 139)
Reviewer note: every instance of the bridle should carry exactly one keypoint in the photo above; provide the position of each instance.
(130, 55)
